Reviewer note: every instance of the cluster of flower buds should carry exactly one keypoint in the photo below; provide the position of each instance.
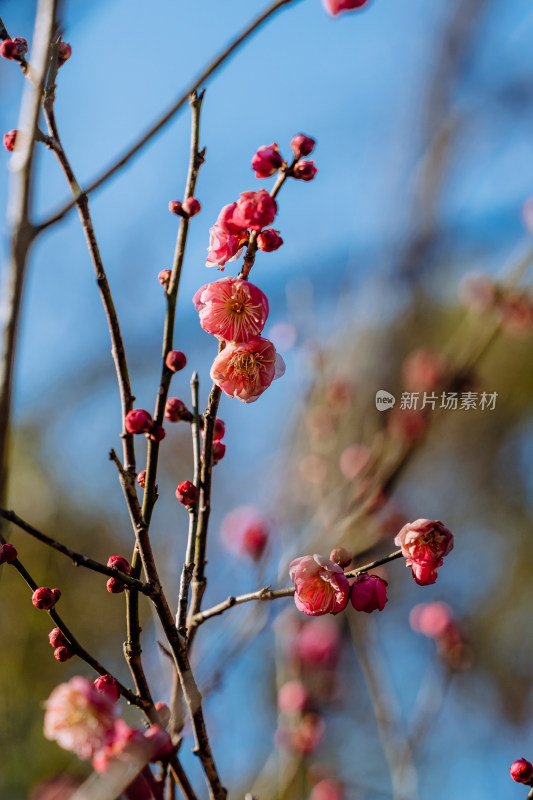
(522, 771)
(61, 645)
(115, 585)
(45, 598)
(245, 532)
(268, 160)
(321, 586)
(189, 208)
(14, 49)
(231, 232)
(140, 421)
(235, 311)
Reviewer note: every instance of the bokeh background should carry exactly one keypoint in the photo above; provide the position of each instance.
(423, 117)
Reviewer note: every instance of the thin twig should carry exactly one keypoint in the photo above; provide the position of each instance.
(22, 231)
(78, 559)
(167, 116)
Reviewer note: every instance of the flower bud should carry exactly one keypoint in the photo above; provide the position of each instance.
(219, 451)
(14, 48)
(63, 653)
(138, 421)
(119, 562)
(302, 145)
(269, 240)
(9, 140)
(141, 478)
(43, 598)
(335, 7)
(157, 433)
(341, 556)
(175, 207)
(8, 553)
(56, 593)
(304, 171)
(219, 430)
(187, 493)
(107, 686)
(522, 771)
(114, 586)
(293, 697)
(57, 638)
(254, 210)
(159, 742)
(369, 593)
(175, 360)
(176, 410)
(64, 52)
(164, 278)
(191, 206)
(267, 161)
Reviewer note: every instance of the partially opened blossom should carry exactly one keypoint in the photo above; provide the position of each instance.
(266, 161)
(227, 223)
(335, 7)
(369, 593)
(255, 210)
(223, 247)
(245, 370)
(320, 585)
(424, 544)
(79, 718)
(232, 309)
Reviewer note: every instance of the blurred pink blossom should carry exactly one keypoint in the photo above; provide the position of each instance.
(423, 370)
(317, 643)
(245, 531)
(293, 697)
(328, 789)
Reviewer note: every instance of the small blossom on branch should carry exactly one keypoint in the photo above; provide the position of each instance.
(246, 370)
(64, 52)
(176, 360)
(138, 421)
(45, 598)
(164, 278)
(424, 545)
(321, 586)
(187, 493)
(8, 553)
(232, 309)
(302, 145)
(267, 161)
(269, 240)
(107, 685)
(255, 210)
(14, 49)
(176, 410)
(304, 170)
(369, 593)
(522, 771)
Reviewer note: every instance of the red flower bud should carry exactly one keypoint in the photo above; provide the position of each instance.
(141, 478)
(63, 653)
(522, 771)
(191, 206)
(164, 277)
(176, 410)
(219, 451)
(304, 171)
(269, 240)
(157, 433)
(107, 686)
(64, 53)
(57, 639)
(8, 553)
(175, 207)
(219, 430)
(115, 586)
(56, 593)
(14, 48)
(138, 421)
(267, 161)
(341, 556)
(175, 360)
(187, 493)
(43, 598)
(369, 593)
(302, 145)
(9, 140)
(119, 562)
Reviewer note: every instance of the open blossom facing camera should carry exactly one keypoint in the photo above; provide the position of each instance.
(424, 544)
(321, 586)
(245, 370)
(232, 309)
(79, 717)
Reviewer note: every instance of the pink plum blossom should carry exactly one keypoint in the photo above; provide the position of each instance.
(317, 644)
(79, 717)
(424, 544)
(522, 771)
(223, 247)
(245, 531)
(320, 585)
(327, 789)
(245, 370)
(255, 210)
(293, 697)
(232, 309)
(266, 161)
(423, 370)
(302, 145)
(335, 7)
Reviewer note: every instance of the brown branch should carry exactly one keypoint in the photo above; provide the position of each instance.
(266, 593)
(22, 231)
(78, 559)
(167, 116)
